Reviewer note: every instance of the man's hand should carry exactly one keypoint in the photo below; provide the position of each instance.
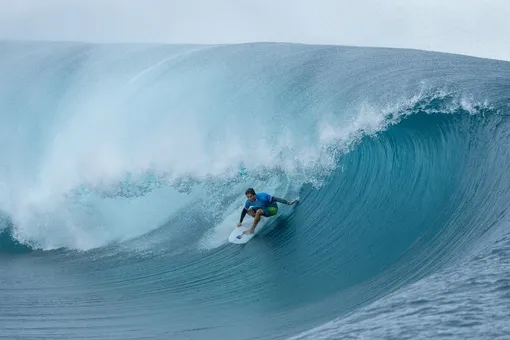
(292, 202)
(239, 224)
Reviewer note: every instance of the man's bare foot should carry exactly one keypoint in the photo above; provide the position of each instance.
(248, 232)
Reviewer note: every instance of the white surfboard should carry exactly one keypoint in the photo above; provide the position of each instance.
(238, 237)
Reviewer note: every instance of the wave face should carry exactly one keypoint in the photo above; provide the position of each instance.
(123, 169)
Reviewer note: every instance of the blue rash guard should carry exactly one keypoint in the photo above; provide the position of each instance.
(265, 202)
(262, 200)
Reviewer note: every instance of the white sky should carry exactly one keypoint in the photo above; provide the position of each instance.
(473, 27)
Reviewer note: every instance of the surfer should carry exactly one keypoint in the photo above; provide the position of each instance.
(261, 204)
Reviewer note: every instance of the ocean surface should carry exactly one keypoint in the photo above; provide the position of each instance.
(123, 170)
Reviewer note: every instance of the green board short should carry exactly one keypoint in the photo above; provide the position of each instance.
(270, 211)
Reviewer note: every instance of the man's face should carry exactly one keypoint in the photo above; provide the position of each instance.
(251, 197)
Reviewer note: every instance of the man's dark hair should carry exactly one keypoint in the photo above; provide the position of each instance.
(249, 191)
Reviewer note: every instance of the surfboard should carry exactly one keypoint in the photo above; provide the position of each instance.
(237, 235)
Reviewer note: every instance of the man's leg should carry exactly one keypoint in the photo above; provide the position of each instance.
(256, 220)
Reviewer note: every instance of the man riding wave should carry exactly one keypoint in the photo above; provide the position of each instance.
(261, 204)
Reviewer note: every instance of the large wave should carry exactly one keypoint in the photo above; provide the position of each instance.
(399, 158)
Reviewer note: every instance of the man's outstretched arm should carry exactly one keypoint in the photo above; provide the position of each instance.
(282, 200)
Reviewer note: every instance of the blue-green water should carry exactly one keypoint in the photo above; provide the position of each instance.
(123, 170)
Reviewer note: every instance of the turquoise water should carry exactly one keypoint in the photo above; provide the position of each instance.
(123, 169)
